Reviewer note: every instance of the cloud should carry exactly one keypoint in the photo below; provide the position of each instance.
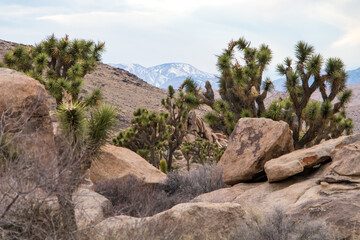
(350, 38)
(151, 32)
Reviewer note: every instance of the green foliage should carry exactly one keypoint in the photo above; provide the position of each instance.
(72, 119)
(221, 117)
(245, 113)
(312, 111)
(100, 124)
(163, 166)
(93, 98)
(90, 132)
(201, 151)
(241, 82)
(59, 64)
(148, 135)
(322, 118)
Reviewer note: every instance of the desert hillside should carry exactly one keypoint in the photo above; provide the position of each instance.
(124, 90)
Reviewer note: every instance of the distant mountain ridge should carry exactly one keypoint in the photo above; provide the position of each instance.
(353, 78)
(169, 74)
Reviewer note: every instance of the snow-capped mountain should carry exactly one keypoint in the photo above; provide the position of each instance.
(169, 74)
(353, 78)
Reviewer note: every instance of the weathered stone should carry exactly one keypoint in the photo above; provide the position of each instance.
(117, 162)
(90, 207)
(184, 221)
(295, 162)
(347, 160)
(196, 127)
(23, 101)
(253, 142)
(329, 193)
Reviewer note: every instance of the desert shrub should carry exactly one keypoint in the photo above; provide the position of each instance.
(133, 197)
(31, 219)
(205, 178)
(276, 225)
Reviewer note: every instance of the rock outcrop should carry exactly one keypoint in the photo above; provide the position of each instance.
(253, 142)
(184, 221)
(296, 162)
(117, 162)
(90, 207)
(24, 107)
(329, 193)
(197, 128)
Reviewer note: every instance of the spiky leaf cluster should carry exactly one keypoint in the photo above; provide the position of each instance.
(59, 64)
(90, 130)
(148, 135)
(241, 83)
(313, 121)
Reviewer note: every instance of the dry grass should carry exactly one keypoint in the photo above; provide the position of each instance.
(135, 198)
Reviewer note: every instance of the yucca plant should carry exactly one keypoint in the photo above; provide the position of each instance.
(100, 124)
(313, 121)
(92, 131)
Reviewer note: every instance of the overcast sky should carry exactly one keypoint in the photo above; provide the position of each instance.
(152, 32)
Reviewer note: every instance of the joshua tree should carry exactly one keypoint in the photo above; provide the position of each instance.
(59, 64)
(87, 135)
(151, 133)
(147, 135)
(312, 121)
(179, 105)
(240, 84)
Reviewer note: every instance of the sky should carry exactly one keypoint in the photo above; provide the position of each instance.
(153, 32)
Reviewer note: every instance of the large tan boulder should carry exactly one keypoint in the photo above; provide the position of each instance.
(117, 162)
(23, 102)
(183, 221)
(253, 142)
(328, 193)
(295, 162)
(90, 207)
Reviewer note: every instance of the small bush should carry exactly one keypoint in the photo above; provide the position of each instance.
(278, 226)
(135, 198)
(205, 178)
